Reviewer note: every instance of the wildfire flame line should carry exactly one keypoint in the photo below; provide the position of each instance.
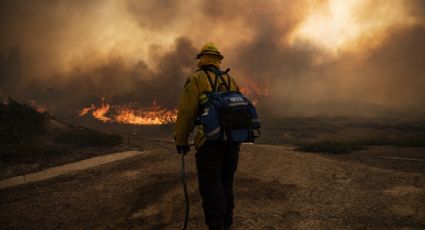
(155, 115)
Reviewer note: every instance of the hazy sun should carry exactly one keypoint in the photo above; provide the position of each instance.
(344, 24)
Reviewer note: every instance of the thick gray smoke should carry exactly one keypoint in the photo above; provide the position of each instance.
(65, 54)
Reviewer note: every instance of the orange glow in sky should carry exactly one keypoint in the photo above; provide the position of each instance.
(344, 24)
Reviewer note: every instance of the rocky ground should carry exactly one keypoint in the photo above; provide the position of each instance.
(276, 188)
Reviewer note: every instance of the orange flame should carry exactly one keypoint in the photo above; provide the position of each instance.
(139, 117)
(155, 115)
(39, 108)
(253, 90)
(100, 113)
(84, 111)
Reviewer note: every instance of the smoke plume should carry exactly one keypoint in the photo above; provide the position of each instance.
(295, 57)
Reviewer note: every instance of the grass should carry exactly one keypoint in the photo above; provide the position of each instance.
(332, 147)
(87, 137)
(340, 147)
(411, 142)
(414, 141)
(29, 152)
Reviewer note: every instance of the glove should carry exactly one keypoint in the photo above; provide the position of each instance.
(182, 149)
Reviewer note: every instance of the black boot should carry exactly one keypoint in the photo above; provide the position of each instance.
(210, 227)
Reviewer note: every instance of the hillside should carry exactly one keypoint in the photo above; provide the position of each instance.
(31, 140)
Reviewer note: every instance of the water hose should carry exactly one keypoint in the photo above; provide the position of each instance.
(186, 196)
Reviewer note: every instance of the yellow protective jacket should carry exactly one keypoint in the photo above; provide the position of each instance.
(188, 108)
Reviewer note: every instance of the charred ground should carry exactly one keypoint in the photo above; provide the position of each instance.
(276, 188)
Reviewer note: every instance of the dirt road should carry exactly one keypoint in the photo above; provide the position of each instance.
(276, 188)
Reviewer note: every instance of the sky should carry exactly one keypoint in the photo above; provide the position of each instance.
(296, 58)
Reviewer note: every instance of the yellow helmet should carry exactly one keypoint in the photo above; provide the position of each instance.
(209, 48)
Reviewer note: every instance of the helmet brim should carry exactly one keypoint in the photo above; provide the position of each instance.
(218, 54)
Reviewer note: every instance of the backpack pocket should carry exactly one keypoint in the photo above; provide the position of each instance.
(210, 123)
(235, 118)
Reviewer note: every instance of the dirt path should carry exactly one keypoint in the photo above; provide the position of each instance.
(276, 188)
(66, 168)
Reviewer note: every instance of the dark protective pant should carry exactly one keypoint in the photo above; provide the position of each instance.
(216, 163)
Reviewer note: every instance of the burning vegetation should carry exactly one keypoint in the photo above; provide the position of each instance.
(135, 114)
(253, 90)
(130, 114)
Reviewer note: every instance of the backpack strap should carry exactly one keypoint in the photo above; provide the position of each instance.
(218, 74)
(228, 79)
(213, 85)
(223, 82)
(209, 79)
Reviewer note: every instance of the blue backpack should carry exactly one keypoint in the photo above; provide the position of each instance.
(227, 115)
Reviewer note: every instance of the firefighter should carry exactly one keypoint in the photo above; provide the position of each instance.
(216, 161)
